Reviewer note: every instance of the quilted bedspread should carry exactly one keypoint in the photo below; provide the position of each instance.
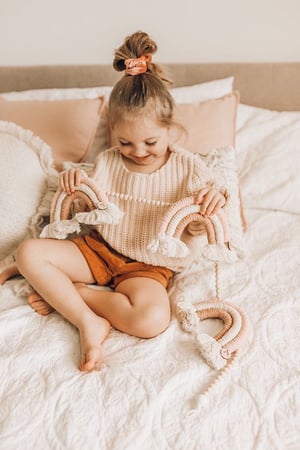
(159, 394)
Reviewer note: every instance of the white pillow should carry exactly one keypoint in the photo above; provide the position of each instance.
(203, 91)
(25, 166)
(186, 94)
(58, 93)
(268, 145)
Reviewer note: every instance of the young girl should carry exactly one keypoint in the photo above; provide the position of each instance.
(143, 174)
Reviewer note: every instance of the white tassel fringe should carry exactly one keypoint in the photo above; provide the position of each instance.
(60, 229)
(169, 246)
(219, 253)
(110, 215)
(210, 350)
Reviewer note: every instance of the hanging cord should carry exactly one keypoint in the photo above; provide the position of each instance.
(224, 372)
(217, 281)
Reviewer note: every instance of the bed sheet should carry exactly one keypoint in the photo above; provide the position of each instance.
(159, 393)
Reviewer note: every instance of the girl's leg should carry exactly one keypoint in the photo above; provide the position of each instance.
(128, 309)
(139, 306)
(51, 267)
(8, 273)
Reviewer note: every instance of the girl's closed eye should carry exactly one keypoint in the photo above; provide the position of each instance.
(124, 144)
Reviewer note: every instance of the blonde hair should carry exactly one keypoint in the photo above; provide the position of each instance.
(146, 92)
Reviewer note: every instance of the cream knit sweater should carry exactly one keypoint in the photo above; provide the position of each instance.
(144, 199)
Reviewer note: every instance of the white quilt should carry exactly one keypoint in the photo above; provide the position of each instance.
(159, 394)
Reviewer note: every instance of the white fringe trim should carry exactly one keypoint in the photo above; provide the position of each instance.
(22, 288)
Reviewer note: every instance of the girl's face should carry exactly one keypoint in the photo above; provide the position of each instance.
(143, 142)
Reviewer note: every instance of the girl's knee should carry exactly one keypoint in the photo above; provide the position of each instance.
(150, 313)
(153, 321)
(26, 250)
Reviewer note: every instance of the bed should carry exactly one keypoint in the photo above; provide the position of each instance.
(158, 393)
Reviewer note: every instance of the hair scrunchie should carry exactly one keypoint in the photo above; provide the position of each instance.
(136, 66)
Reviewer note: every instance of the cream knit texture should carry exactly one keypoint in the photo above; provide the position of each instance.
(144, 199)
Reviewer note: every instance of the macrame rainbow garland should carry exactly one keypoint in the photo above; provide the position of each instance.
(236, 329)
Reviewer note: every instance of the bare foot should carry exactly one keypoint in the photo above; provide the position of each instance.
(39, 305)
(92, 334)
(91, 339)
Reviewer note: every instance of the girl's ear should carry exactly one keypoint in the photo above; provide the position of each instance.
(112, 136)
(174, 134)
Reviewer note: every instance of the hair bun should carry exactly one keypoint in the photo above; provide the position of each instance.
(143, 83)
(134, 46)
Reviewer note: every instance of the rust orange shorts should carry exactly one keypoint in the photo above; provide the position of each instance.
(109, 267)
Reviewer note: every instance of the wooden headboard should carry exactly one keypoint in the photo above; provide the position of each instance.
(267, 85)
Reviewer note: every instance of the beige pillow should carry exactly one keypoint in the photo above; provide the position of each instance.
(209, 124)
(67, 126)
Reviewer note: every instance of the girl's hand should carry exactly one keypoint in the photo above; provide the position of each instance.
(211, 200)
(71, 178)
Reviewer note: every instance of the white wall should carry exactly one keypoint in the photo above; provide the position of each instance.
(87, 31)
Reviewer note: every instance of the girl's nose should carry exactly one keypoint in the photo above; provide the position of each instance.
(140, 151)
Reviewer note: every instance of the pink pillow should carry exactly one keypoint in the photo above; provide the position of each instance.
(67, 126)
(209, 124)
